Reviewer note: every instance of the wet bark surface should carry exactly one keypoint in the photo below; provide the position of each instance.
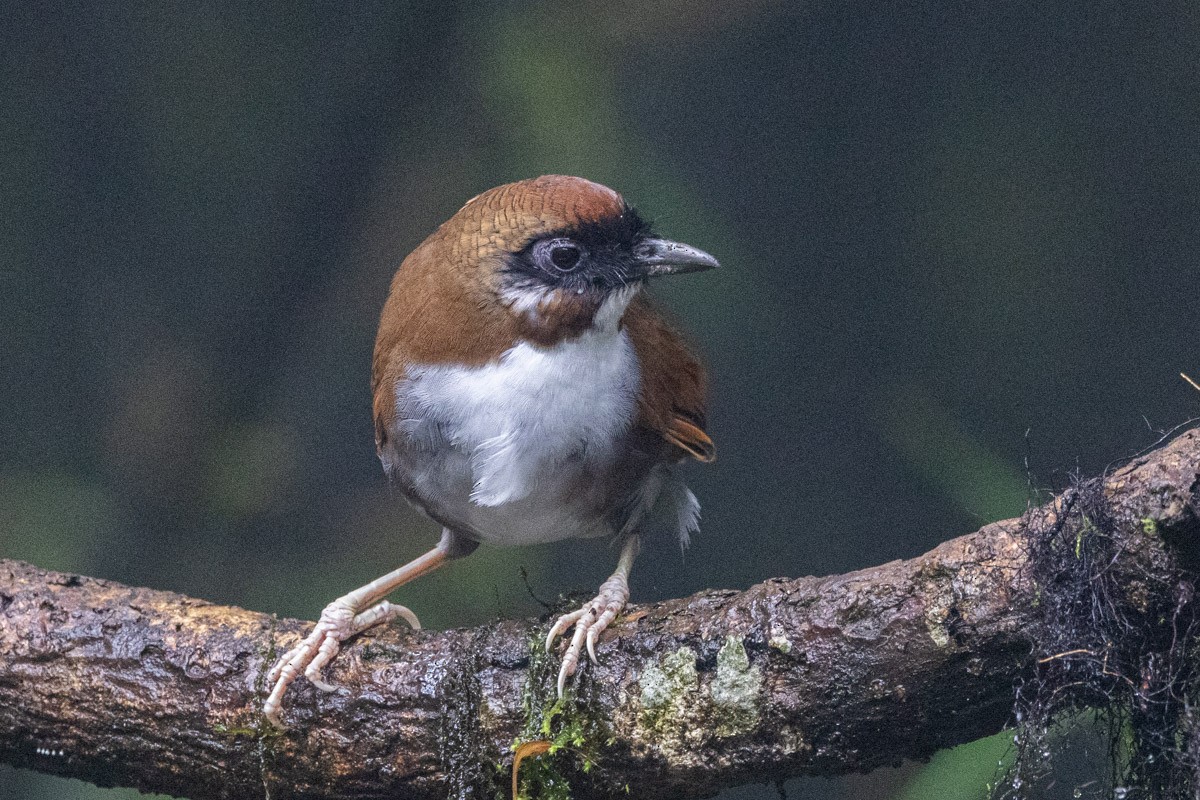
(813, 676)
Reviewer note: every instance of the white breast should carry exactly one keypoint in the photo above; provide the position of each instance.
(505, 444)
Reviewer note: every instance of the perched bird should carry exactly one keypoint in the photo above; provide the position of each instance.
(526, 391)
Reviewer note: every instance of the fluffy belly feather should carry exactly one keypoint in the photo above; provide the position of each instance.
(516, 452)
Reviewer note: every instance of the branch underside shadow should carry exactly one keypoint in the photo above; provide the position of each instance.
(812, 676)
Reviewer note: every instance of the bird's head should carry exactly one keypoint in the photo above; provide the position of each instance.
(560, 252)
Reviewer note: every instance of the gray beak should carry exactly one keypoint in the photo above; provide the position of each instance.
(664, 257)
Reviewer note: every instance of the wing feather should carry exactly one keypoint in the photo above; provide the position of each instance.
(672, 400)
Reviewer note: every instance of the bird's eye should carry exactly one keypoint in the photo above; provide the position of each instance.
(558, 255)
(565, 256)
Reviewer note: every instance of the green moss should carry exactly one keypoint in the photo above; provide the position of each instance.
(564, 722)
(234, 732)
(1149, 526)
(1087, 527)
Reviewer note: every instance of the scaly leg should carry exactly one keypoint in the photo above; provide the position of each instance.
(591, 620)
(350, 615)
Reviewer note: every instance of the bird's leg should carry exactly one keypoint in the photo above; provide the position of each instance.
(350, 615)
(591, 620)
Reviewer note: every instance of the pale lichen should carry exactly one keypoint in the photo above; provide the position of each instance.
(681, 708)
(671, 705)
(936, 615)
(736, 689)
(668, 684)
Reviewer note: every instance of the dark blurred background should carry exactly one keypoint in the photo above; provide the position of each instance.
(957, 237)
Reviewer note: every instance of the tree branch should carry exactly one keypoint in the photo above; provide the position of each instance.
(816, 676)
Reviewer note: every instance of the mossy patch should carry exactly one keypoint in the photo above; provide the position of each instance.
(233, 732)
(564, 723)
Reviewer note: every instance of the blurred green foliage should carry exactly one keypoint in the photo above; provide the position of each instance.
(942, 226)
(962, 773)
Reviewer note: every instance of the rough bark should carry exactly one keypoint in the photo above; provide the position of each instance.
(816, 676)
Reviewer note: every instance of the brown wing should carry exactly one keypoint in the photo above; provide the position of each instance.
(672, 401)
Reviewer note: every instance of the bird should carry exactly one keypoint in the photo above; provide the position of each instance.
(526, 390)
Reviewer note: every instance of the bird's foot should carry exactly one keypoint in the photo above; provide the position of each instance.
(339, 621)
(589, 621)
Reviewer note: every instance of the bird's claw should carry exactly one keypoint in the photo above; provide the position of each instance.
(337, 624)
(590, 621)
(310, 655)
